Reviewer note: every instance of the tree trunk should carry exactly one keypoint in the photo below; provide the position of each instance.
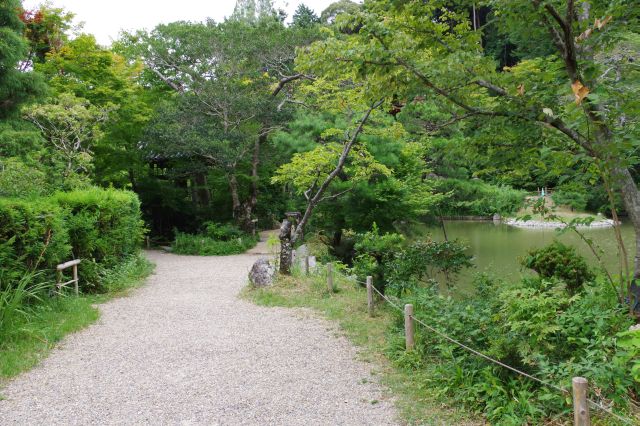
(286, 247)
(201, 191)
(235, 197)
(631, 200)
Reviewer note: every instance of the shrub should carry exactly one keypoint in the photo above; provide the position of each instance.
(202, 245)
(374, 253)
(221, 232)
(104, 229)
(33, 234)
(562, 262)
(423, 261)
(534, 325)
(572, 195)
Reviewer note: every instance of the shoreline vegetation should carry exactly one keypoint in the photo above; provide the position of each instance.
(543, 224)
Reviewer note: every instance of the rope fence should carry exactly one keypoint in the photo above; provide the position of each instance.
(581, 402)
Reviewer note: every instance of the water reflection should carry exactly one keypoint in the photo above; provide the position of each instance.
(498, 248)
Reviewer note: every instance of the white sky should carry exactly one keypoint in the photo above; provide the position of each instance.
(105, 18)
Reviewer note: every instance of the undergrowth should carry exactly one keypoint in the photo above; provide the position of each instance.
(31, 327)
(203, 245)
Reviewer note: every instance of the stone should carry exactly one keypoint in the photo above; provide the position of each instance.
(299, 254)
(262, 273)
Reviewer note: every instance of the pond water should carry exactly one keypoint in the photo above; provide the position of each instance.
(497, 248)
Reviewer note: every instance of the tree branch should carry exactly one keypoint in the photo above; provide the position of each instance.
(317, 198)
(285, 80)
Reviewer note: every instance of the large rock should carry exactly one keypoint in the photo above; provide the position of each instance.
(299, 254)
(262, 273)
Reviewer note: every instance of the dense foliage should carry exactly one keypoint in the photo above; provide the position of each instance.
(101, 227)
(367, 118)
(536, 326)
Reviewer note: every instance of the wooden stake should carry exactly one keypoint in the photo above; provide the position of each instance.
(306, 265)
(330, 277)
(408, 327)
(370, 295)
(75, 278)
(580, 406)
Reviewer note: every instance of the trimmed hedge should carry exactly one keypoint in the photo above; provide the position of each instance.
(100, 226)
(32, 233)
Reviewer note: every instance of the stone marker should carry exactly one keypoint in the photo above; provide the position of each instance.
(262, 272)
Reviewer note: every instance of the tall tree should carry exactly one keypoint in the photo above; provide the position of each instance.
(580, 93)
(304, 16)
(16, 86)
(231, 78)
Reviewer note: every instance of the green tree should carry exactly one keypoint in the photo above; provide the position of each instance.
(108, 81)
(231, 80)
(70, 125)
(579, 94)
(334, 9)
(304, 16)
(16, 86)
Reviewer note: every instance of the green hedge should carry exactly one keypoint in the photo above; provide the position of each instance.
(100, 226)
(33, 234)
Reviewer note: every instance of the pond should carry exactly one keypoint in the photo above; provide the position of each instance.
(497, 248)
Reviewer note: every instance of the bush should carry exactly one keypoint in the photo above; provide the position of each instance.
(477, 198)
(374, 253)
(100, 226)
(104, 229)
(222, 232)
(423, 261)
(572, 195)
(202, 245)
(562, 262)
(534, 325)
(33, 235)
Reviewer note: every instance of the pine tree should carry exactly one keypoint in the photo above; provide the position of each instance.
(305, 17)
(15, 86)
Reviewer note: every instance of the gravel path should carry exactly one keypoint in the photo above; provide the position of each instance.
(185, 350)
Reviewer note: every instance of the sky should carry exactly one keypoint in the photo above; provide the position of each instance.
(106, 18)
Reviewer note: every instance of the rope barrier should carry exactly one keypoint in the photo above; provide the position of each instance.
(495, 361)
(608, 411)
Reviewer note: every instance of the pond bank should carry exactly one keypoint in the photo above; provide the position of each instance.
(542, 224)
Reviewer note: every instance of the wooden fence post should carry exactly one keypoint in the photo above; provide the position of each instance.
(580, 406)
(330, 277)
(75, 278)
(408, 327)
(370, 295)
(306, 265)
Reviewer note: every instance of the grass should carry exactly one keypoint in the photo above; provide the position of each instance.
(202, 245)
(31, 336)
(347, 306)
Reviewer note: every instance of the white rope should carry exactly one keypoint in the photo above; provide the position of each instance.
(608, 411)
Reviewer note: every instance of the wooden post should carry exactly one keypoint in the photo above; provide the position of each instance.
(580, 406)
(306, 265)
(408, 326)
(75, 278)
(147, 241)
(370, 295)
(330, 277)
